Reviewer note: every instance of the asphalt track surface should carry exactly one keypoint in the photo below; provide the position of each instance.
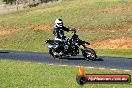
(42, 57)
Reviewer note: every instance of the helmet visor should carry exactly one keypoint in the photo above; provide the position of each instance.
(60, 24)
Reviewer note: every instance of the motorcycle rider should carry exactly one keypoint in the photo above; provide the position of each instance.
(59, 29)
(58, 32)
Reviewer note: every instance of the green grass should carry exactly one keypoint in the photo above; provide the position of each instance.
(26, 40)
(29, 40)
(114, 52)
(15, 74)
(85, 16)
(1, 2)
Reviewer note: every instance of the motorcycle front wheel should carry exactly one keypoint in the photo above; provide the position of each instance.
(89, 54)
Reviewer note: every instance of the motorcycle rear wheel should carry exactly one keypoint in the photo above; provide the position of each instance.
(52, 53)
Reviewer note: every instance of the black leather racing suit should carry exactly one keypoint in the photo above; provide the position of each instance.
(59, 32)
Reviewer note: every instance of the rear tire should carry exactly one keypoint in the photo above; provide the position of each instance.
(52, 53)
(89, 54)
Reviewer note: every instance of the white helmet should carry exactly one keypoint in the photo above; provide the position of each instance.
(59, 22)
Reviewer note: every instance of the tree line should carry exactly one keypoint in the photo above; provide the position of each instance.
(26, 1)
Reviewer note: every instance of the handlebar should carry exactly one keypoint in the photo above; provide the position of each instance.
(73, 30)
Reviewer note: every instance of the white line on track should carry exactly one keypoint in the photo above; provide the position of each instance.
(51, 64)
(113, 69)
(101, 68)
(89, 67)
(63, 65)
(127, 70)
(93, 67)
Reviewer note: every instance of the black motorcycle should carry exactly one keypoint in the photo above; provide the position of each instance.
(70, 47)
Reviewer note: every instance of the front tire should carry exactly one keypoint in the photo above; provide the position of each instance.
(89, 54)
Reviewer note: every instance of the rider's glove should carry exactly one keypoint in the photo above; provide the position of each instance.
(72, 29)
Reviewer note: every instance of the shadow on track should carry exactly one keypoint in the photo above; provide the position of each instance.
(80, 58)
(4, 52)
